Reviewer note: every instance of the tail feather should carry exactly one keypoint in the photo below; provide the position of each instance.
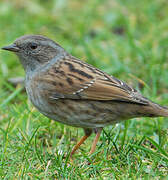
(156, 110)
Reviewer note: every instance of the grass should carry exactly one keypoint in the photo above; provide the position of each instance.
(127, 39)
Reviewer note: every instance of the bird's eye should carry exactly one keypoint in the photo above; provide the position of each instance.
(33, 46)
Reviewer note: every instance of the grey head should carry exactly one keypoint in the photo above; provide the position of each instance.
(35, 50)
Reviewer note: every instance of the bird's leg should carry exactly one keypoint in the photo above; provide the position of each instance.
(96, 139)
(88, 132)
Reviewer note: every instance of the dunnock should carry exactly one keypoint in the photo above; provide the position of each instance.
(75, 93)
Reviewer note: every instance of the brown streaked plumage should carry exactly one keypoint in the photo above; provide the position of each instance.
(75, 93)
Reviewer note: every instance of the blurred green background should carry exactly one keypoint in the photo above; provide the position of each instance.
(128, 39)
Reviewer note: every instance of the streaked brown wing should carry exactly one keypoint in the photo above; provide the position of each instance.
(74, 79)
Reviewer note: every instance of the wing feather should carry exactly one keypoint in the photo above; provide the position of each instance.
(74, 79)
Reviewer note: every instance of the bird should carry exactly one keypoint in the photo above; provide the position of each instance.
(73, 92)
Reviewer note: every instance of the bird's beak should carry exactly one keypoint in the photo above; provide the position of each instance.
(11, 47)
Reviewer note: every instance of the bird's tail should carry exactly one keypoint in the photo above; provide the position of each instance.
(155, 110)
